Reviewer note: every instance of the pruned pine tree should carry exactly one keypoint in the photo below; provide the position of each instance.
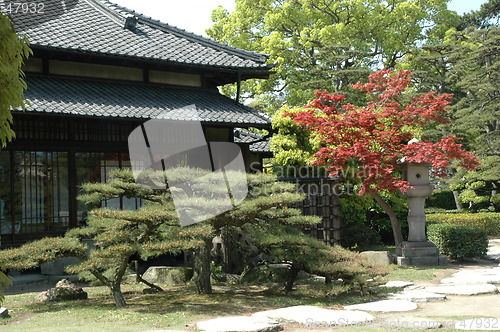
(304, 253)
(154, 229)
(117, 234)
(267, 204)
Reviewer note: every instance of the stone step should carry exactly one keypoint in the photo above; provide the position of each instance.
(397, 284)
(476, 276)
(417, 296)
(422, 260)
(420, 252)
(409, 323)
(314, 317)
(384, 306)
(463, 289)
(239, 323)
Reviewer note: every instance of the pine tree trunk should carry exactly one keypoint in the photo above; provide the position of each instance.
(116, 282)
(118, 296)
(114, 287)
(292, 275)
(201, 269)
(396, 227)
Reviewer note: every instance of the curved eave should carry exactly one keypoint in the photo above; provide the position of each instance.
(66, 50)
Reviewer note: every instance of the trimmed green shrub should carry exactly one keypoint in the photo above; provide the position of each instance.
(486, 221)
(438, 210)
(458, 242)
(304, 253)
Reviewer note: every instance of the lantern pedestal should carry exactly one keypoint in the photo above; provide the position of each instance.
(419, 253)
(417, 250)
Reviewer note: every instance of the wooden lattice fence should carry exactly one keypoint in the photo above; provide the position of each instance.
(321, 200)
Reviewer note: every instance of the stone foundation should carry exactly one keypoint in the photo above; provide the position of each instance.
(419, 254)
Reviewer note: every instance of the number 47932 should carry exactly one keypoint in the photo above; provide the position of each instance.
(25, 8)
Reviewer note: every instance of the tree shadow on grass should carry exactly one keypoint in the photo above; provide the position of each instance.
(226, 300)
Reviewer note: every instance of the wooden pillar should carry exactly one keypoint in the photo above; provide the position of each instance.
(72, 190)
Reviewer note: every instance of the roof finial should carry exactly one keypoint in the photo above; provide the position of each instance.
(130, 23)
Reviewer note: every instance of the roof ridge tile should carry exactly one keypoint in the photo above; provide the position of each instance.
(98, 27)
(154, 23)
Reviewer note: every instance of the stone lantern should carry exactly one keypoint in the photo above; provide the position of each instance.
(417, 250)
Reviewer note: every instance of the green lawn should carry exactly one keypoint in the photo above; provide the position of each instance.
(179, 307)
(408, 273)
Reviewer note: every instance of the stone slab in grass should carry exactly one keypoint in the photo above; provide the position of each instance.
(410, 323)
(417, 296)
(397, 284)
(378, 257)
(479, 324)
(314, 317)
(463, 289)
(384, 306)
(239, 324)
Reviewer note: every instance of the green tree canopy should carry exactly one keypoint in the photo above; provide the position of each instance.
(476, 73)
(325, 44)
(13, 50)
(488, 15)
(465, 63)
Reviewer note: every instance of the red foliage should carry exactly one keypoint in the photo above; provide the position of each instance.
(375, 136)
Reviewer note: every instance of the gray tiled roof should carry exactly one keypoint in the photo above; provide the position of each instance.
(262, 146)
(97, 27)
(245, 136)
(128, 100)
(257, 143)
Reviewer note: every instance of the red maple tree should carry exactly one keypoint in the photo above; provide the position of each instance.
(376, 136)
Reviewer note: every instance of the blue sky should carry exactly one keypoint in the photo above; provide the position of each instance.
(464, 6)
(194, 15)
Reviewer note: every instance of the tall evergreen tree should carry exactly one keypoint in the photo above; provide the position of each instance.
(465, 63)
(13, 51)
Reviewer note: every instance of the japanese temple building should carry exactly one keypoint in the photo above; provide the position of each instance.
(98, 71)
